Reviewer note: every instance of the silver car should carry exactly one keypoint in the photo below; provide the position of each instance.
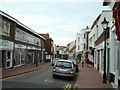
(64, 68)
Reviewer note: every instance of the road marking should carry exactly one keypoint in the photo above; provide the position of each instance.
(16, 76)
(67, 87)
(76, 86)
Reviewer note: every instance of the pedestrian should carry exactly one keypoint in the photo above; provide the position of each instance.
(82, 61)
(36, 63)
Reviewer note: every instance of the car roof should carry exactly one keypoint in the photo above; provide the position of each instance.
(64, 60)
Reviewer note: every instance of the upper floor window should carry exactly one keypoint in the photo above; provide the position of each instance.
(78, 47)
(78, 39)
(4, 27)
(84, 36)
(84, 46)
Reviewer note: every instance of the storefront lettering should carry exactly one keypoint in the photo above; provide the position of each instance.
(4, 43)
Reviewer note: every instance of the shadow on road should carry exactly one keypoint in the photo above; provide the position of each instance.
(66, 78)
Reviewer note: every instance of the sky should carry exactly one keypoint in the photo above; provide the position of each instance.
(61, 19)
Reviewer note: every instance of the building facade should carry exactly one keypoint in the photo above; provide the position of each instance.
(115, 45)
(19, 45)
(82, 43)
(48, 47)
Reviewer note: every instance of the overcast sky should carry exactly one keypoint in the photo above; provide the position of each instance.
(62, 19)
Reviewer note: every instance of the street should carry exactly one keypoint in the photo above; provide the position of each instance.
(41, 78)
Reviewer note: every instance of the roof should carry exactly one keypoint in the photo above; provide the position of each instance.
(73, 48)
(46, 36)
(19, 23)
(95, 22)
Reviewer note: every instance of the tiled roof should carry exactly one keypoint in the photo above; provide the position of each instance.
(46, 36)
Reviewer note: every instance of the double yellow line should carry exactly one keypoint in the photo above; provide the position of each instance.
(16, 76)
(67, 87)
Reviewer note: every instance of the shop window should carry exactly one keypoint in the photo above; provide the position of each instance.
(30, 57)
(17, 56)
(3, 59)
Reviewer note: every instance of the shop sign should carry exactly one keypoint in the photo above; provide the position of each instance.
(47, 56)
(5, 44)
(31, 47)
(20, 46)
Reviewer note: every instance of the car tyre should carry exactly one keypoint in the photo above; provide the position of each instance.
(72, 78)
(77, 70)
(54, 75)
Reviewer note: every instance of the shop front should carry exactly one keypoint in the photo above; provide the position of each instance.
(19, 55)
(30, 55)
(6, 51)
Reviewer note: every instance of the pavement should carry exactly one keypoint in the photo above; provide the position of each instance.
(23, 69)
(89, 77)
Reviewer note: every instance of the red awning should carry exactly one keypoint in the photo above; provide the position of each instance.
(116, 15)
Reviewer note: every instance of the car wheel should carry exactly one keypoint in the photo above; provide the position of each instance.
(77, 70)
(54, 75)
(72, 78)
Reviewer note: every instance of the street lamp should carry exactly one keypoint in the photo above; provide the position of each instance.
(105, 27)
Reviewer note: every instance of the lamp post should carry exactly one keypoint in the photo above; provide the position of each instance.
(105, 27)
(37, 53)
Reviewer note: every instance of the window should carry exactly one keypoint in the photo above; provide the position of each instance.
(4, 27)
(78, 39)
(78, 47)
(84, 36)
(84, 46)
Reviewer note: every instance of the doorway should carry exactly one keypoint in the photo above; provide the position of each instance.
(6, 59)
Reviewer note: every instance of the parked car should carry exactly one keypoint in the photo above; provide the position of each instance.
(54, 60)
(64, 68)
(76, 64)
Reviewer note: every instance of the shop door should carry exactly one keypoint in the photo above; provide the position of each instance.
(3, 59)
(98, 64)
(6, 59)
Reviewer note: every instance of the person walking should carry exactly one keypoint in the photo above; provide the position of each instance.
(82, 61)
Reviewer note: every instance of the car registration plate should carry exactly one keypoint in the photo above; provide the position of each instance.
(63, 69)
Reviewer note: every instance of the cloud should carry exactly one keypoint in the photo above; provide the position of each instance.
(14, 1)
(63, 40)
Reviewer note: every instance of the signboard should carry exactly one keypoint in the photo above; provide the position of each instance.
(5, 44)
(31, 48)
(47, 56)
(20, 46)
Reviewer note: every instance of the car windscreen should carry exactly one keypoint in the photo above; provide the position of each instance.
(63, 64)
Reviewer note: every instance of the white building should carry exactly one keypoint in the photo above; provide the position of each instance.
(115, 42)
(82, 42)
(97, 42)
(71, 49)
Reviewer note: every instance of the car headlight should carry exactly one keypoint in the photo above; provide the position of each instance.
(53, 70)
(71, 72)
